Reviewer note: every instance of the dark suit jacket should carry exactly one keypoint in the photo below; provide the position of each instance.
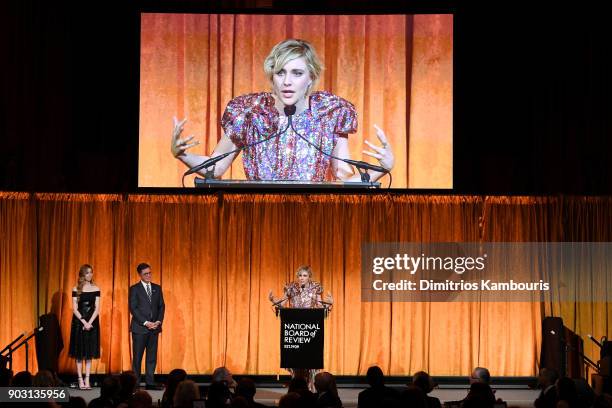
(374, 396)
(144, 311)
(327, 400)
(547, 399)
(433, 402)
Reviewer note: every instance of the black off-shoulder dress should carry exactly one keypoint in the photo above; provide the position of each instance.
(85, 344)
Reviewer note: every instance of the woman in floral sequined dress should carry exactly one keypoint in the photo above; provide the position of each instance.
(303, 293)
(321, 119)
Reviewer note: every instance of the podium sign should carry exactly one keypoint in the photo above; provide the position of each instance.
(302, 338)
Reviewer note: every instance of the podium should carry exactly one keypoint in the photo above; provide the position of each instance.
(302, 335)
(283, 184)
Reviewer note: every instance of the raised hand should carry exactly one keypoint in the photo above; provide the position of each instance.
(179, 146)
(384, 154)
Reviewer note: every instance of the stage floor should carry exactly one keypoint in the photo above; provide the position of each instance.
(270, 395)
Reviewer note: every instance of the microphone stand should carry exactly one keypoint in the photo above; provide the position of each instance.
(12, 342)
(596, 342)
(27, 348)
(10, 350)
(278, 302)
(361, 166)
(275, 304)
(210, 163)
(326, 306)
(288, 297)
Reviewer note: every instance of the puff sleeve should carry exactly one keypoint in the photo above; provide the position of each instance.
(236, 119)
(346, 117)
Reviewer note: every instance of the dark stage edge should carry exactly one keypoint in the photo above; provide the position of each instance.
(443, 382)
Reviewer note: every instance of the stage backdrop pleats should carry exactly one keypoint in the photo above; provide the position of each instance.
(395, 69)
(18, 277)
(218, 256)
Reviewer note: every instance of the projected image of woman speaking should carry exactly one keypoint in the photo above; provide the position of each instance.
(291, 133)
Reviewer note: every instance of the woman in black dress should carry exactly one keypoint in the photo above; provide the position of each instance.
(85, 329)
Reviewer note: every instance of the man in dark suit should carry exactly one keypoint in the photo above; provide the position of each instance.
(147, 307)
(548, 396)
(424, 381)
(378, 392)
(327, 393)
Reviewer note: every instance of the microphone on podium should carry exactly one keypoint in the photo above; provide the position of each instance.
(290, 110)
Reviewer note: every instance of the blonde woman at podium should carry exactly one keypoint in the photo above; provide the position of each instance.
(303, 293)
(285, 132)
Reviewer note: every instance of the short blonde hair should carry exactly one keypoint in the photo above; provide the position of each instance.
(288, 50)
(304, 268)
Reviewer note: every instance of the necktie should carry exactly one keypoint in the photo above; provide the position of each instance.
(148, 286)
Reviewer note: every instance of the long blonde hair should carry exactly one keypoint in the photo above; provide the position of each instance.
(81, 282)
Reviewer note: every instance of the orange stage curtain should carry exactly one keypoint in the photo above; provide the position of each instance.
(18, 283)
(396, 70)
(587, 219)
(217, 256)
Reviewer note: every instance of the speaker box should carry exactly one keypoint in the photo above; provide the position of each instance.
(49, 342)
(601, 384)
(561, 349)
(605, 366)
(553, 345)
